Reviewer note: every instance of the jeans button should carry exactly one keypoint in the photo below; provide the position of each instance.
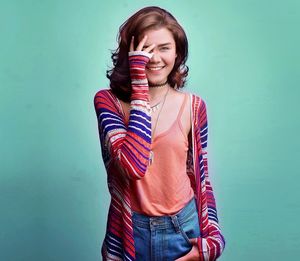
(153, 223)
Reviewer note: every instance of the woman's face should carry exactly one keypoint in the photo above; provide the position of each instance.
(164, 55)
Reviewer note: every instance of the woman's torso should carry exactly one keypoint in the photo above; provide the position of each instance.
(165, 188)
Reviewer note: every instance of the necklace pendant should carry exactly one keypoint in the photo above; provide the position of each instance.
(154, 108)
(151, 158)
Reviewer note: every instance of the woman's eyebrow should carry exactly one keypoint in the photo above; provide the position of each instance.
(160, 45)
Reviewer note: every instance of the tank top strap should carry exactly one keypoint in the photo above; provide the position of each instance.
(182, 107)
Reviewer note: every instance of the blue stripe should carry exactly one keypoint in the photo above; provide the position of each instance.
(138, 165)
(141, 113)
(141, 134)
(141, 144)
(111, 248)
(140, 121)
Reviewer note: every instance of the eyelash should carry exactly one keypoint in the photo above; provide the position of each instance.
(162, 48)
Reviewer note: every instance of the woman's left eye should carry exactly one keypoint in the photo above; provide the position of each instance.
(164, 48)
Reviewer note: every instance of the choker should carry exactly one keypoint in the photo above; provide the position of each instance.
(158, 85)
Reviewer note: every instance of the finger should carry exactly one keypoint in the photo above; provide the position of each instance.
(193, 241)
(149, 48)
(131, 48)
(141, 43)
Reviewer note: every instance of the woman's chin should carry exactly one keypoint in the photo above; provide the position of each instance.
(156, 81)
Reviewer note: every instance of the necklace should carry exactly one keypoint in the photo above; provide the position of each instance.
(154, 107)
(158, 85)
(151, 159)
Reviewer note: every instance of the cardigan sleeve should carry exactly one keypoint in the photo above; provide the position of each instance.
(212, 242)
(129, 146)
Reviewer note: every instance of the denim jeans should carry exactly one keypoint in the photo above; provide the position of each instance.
(165, 237)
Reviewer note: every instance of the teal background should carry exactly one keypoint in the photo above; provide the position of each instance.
(244, 62)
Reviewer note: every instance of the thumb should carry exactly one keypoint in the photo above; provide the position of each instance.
(194, 241)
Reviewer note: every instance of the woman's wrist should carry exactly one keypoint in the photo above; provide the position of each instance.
(137, 67)
(140, 53)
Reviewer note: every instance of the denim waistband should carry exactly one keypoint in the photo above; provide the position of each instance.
(164, 222)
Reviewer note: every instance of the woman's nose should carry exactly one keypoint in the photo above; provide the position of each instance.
(155, 57)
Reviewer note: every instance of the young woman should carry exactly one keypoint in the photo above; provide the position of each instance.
(153, 141)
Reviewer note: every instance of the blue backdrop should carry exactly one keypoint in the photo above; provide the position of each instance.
(244, 62)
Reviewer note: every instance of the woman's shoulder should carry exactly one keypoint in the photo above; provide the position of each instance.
(103, 93)
(196, 99)
(106, 94)
(105, 98)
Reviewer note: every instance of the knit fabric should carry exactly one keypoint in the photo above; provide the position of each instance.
(126, 151)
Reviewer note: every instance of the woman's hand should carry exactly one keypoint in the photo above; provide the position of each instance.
(140, 46)
(193, 255)
(138, 59)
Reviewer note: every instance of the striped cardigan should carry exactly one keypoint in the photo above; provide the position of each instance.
(126, 150)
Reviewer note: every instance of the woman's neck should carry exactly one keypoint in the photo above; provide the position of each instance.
(156, 94)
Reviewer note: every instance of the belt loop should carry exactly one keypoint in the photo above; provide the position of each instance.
(175, 223)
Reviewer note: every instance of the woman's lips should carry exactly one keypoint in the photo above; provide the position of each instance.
(155, 68)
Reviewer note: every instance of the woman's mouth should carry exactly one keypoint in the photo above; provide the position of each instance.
(155, 68)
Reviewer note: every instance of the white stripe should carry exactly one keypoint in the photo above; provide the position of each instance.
(139, 102)
(114, 124)
(113, 257)
(112, 119)
(133, 170)
(141, 131)
(104, 113)
(204, 129)
(140, 116)
(113, 239)
(204, 249)
(142, 109)
(112, 138)
(124, 204)
(143, 53)
(140, 123)
(139, 69)
(138, 82)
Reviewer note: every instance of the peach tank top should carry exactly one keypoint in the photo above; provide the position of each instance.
(165, 189)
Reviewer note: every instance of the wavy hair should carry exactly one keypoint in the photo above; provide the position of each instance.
(151, 17)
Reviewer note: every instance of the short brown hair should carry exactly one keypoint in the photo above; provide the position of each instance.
(151, 17)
